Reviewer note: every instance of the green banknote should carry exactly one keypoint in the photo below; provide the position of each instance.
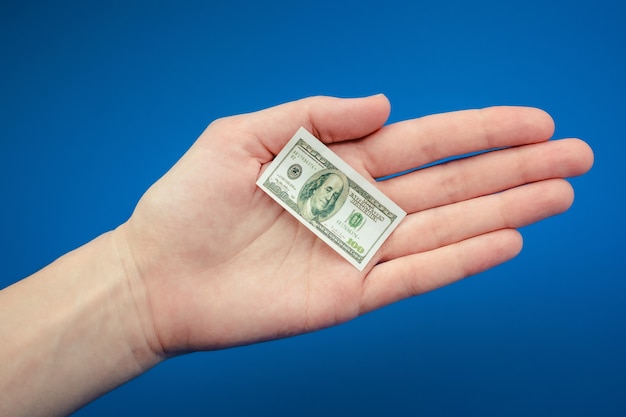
(330, 198)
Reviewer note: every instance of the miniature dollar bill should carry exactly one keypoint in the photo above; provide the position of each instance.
(330, 198)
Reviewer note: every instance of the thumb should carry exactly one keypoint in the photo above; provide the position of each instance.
(330, 119)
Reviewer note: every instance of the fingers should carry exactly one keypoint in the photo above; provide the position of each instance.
(439, 246)
(465, 211)
(488, 173)
(514, 208)
(422, 272)
(410, 144)
(329, 119)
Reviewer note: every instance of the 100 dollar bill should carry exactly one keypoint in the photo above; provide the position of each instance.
(330, 198)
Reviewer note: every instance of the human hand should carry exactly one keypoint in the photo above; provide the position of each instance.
(217, 263)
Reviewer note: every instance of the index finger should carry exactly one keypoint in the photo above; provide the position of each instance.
(410, 144)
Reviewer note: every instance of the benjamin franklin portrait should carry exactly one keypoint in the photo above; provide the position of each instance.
(323, 195)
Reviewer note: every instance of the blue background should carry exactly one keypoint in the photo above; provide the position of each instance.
(99, 99)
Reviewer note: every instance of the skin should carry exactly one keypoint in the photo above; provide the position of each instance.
(326, 194)
(177, 277)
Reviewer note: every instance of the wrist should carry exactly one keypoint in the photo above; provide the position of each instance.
(83, 315)
(134, 303)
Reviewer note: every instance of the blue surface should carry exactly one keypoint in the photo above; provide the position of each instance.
(99, 99)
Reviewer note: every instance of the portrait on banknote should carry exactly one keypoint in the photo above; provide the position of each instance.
(323, 195)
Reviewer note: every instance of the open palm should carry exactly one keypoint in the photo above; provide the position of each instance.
(223, 264)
